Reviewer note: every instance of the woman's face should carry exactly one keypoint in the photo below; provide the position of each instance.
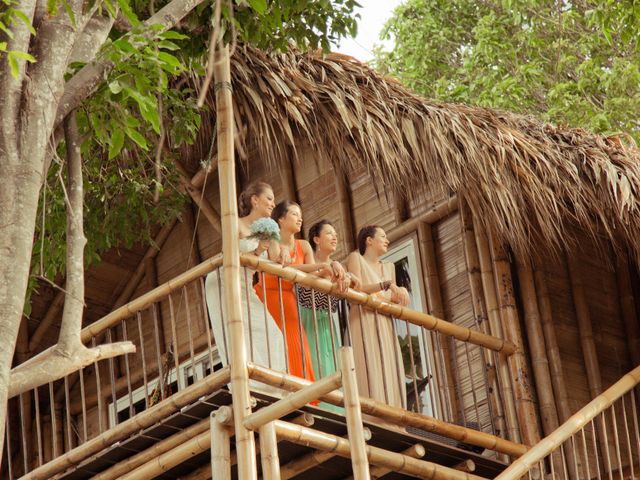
(263, 204)
(379, 243)
(292, 221)
(327, 239)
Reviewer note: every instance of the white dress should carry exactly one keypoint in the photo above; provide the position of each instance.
(263, 338)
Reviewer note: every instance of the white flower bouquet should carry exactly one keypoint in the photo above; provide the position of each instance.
(265, 229)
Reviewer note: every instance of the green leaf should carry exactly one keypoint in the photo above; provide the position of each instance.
(115, 87)
(110, 8)
(69, 10)
(260, 6)
(136, 137)
(128, 12)
(23, 55)
(167, 45)
(171, 35)
(170, 60)
(13, 57)
(3, 46)
(20, 14)
(116, 143)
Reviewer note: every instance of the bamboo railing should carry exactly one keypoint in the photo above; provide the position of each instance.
(614, 414)
(77, 416)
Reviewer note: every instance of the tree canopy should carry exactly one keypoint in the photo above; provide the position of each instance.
(570, 63)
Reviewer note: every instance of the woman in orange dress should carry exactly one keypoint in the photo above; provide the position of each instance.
(284, 308)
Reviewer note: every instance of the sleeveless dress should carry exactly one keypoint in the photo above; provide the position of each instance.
(263, 338)
(376, 349)
(298, 353)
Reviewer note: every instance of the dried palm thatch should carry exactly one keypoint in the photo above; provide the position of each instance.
(526, 180)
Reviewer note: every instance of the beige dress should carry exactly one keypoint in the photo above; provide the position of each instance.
(376, 349)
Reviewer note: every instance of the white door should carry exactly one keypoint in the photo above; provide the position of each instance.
(404, 255)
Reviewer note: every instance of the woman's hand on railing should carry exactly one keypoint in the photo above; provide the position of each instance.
(339, 276)
(353, 281)
(399, 295)
(263, 246)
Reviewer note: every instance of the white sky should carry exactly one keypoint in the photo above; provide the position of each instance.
(373, 15)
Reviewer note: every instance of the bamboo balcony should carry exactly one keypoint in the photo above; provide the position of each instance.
(146, 415)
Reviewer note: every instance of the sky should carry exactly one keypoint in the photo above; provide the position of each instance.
(373, 15)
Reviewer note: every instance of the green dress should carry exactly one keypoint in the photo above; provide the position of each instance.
(323, 334)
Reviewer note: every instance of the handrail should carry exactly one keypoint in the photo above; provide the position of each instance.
(417, 318)
(577, 421)
(392, 309)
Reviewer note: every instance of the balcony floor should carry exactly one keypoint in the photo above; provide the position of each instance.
(438, 449)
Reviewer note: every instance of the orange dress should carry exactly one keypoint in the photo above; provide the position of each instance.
(298, 354)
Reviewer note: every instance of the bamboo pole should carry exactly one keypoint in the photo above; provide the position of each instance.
(474, 273)
(526, 410)
(577, 421)
(139, 422)
(445, 372)
(26, 418)
(190, 222)
(628, 307)
(220, 443)
(391, 309)
(269, 452)
(414, 451)
(538, 351)
(145, 300)
(245, 443)
(397, 462)
(585, 329)
(495, 327)
(293, 402)
(467, 465)
(163, 446)
(288, 180)
(437, 212)
(317, 457)
(354, 415)
(346, 210)
(394, 414)
(551, 342)
(198, 197)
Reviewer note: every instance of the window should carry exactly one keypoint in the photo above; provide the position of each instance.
(415, 341)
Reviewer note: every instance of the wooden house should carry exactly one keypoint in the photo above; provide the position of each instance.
(518, 240)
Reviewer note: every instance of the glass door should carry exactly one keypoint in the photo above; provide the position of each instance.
(417, 351)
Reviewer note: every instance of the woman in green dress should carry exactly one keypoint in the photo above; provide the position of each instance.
(322, 329)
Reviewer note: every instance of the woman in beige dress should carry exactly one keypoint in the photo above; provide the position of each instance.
(376, 349)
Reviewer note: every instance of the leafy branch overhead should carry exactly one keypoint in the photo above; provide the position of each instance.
(120, 123)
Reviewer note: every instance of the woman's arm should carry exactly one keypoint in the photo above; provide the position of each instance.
(353, 266)
(398, 294)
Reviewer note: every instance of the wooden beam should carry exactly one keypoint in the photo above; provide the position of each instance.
(445, 369)
(628, 307)
(197, 195)
(435, 213)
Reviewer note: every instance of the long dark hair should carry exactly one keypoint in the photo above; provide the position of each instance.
(282, 208)
(315, 231)
(244, 200)
(366, 232)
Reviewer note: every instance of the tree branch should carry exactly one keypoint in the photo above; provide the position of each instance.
(69, 354)
(87, 80)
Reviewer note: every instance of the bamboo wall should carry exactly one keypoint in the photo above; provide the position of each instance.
(312, 182)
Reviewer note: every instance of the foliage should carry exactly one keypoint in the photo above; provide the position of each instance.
(121, 124)
(9, 17)
(571, 63)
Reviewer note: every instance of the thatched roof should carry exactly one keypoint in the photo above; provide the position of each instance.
(526, 179)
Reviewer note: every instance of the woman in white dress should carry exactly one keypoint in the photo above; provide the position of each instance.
(264, 341)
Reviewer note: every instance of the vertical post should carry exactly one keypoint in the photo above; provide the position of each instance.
(526, 410)
(245, 443)
(220, 448)
(495, 328)
(628, 308)
(269, 452)
(539, 362)
(345, 204)
(434, 301)
(353, 413)
(474, 273)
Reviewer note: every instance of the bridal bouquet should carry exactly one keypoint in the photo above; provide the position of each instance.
(265, 229)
